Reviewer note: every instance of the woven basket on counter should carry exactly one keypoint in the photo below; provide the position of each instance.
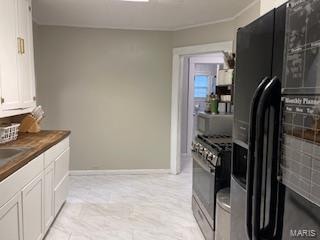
(9, 133)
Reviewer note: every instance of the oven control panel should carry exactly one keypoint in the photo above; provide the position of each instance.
(205, 153)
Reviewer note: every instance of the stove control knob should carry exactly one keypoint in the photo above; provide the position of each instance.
(197, 146)
(201, 149)
(193, 147)
(216, 160)
(210, 156)
(206, 152)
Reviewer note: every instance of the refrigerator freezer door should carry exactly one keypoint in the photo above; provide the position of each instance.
(254, 63)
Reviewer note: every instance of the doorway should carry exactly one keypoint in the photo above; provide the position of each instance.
(181, 57)
(199, 81)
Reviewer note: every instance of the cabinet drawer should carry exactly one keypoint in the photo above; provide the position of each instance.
(15, 182)
(60, 194)
(54, 152)
(204, 225)
(61, 167)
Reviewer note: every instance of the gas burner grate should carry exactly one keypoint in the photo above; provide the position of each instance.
(218, 136)
(219, 142)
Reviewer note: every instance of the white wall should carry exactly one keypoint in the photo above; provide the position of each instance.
(267, 5)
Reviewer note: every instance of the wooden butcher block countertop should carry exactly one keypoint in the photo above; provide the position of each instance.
(37, 143)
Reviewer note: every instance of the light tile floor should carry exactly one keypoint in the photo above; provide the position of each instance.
(127, 207)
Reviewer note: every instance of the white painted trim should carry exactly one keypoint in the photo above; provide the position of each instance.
(101, 27)
(203, 49)
(176, 98)
(192, 74)
(185, 155)
(118, 172)
(230, 19)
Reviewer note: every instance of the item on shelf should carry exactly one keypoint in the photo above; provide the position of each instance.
(225, 98)
(225, 77)
(230, 59)
(214, 104)
(208, 105)
(9, 132)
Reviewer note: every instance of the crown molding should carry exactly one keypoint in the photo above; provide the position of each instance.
(153, 29)
(219, 21)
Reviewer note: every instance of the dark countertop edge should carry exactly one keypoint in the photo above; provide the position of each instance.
(28, 159)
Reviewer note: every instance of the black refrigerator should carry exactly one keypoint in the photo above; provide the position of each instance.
(275, 182)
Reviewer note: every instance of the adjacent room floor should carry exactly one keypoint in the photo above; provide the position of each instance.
(128, 207)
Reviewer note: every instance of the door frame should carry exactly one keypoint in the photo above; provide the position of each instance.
(176, 96)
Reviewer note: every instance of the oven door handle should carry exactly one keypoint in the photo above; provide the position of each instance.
(202, 164)
(251, 147)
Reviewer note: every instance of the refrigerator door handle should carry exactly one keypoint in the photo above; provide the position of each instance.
(251, 147)
(270, 230)
(271, 91)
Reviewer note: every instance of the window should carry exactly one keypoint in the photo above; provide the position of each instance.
(201, 85)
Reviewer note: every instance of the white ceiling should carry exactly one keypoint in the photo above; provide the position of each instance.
(154, 15)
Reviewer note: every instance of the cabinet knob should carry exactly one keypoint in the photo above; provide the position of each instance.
(2, 100)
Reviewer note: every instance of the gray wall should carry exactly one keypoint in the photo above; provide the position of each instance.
(112, 89)
(203, 35)
(219, 32)
(245, 18)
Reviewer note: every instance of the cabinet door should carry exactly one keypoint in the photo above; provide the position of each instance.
(32, 205)
(10, 94)
(48, 196)
(26, 59)
(11, 220)
(61, 179)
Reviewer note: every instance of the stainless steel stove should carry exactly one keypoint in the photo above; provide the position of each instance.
(211, 172)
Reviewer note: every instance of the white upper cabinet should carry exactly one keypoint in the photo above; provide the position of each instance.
(26, 59)
(17, 75)
(10, 95)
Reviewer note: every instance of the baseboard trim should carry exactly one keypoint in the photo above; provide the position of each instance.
(119, 172)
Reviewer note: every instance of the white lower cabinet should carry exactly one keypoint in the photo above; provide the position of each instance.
(11, 219)
(61, 180)
(60, 194)
(48, 196)
(31, 197)
(32, 209)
